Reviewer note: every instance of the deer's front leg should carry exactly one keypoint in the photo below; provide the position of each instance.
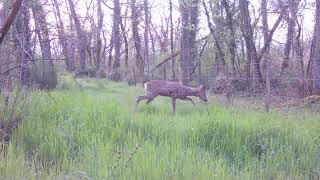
(173, 99)
(188, 99)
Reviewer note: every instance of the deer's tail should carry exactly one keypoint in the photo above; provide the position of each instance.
(145, 85)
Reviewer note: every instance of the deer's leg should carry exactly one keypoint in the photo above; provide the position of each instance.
(188, 99)
(147, 96)
(173, 99)
(140, 98)
(151, 98)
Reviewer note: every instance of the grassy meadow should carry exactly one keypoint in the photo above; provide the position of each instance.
(92, 130)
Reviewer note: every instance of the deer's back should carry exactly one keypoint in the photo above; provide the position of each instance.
(164, 88)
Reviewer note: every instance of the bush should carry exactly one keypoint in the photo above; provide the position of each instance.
(115, 76)
(101, 74)
(43, 75)
(89, 72)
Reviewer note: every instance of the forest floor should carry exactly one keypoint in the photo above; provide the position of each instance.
(93, 130)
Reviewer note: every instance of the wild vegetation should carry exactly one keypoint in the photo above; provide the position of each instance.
(95, 132)
(72, 71)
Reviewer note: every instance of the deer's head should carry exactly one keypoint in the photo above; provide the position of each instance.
(202, 93)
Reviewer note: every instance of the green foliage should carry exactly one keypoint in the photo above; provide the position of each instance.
(43, 75)
(99, 133)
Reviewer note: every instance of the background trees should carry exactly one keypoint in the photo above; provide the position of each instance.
(140, 39)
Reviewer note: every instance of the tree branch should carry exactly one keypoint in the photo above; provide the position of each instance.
(271, 32)
(10, 19)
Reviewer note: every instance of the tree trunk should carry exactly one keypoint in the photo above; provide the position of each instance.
(219, 55)
(116, 33)
(189, 17)
(136, 37)
(109, 65)
(42, 31)
(300, 65)
(99, 42)
(232, 38)
(290, 34)
(153, 44)
(265, 26)
(314, 53)
(126, 43)
(267, 62)
(247, 32)
(146, 42)
(71, 41)
(81, 36)
(24, 41)
(62, 38)
(172, 42)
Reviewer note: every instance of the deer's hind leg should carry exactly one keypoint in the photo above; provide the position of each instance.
(173, 99)
(140, 98)
(150, 97)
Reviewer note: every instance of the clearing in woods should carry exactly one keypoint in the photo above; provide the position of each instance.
(98, 133)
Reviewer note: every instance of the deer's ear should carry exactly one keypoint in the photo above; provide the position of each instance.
(202, 88)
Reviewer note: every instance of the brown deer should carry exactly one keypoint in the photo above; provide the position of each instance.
(174, 90)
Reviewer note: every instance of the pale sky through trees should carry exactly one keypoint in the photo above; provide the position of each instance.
(160, 9)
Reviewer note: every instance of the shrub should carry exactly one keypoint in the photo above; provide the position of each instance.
(43, 75)
(101, 74)
(115, 76)
(89, 72)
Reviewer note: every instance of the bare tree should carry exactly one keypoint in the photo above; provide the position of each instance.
(111, 46)
(146, 41)
(232, 37)
(162, 39)
(265, 25)
(116, 33)
(291, 21)
(299, 57)
(189, 16)
(98, 36)
(62, 38)
(314, 63)
(42, 30)
(23, 41)
(135, 35)
(125, 38)
(215, 32)
(172, 42)
(247, 32)
(253, 58)
(82, 40)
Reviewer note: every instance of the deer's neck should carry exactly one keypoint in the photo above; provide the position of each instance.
(192, 91)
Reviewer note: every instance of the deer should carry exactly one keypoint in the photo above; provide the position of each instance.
(174, 90)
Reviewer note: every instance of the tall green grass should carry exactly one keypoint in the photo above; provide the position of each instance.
(92, 130)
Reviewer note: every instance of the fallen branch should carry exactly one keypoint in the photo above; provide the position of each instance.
(166, 60)
(176, 54)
